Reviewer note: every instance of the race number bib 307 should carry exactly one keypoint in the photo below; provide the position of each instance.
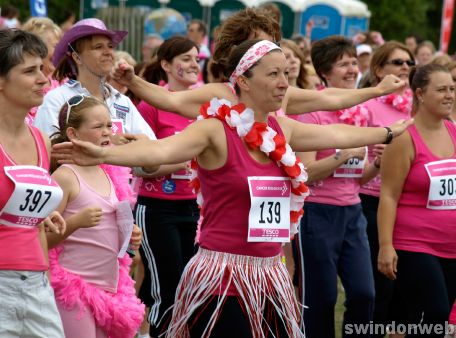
(34, 197)
(353, 167)
(269, 216)
(442, 188)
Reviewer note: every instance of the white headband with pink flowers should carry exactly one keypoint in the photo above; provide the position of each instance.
(253, 54)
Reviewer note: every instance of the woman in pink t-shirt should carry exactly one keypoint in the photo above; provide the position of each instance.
(166, 210)
(417, 203)
(27, 193)
(332, 241)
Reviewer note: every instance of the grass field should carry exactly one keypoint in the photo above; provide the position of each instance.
(339, 312)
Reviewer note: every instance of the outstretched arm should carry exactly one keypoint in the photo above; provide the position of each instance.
(299, 101)
(191, 142)
(307, 137)
(186, 103)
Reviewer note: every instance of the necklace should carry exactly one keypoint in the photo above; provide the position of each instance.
(258, 135)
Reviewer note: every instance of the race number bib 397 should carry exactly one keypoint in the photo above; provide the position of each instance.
(34, 197)
(442, 188)
(269, 216)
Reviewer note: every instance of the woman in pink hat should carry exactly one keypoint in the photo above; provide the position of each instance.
(85, 56)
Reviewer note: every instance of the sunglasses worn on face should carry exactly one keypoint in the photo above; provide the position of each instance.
(72, 102)
(400, 62)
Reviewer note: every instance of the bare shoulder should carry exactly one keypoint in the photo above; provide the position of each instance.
(65, 177)
(47, 141)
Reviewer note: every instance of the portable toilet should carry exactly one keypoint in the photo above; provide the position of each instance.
(323, 18)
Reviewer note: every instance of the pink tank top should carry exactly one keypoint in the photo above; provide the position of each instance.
(227, 199)
(92, 252)
(174, 186)
(418, 228)
(381, 115)
(20, 248)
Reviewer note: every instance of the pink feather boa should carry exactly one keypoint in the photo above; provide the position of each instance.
(119, 314)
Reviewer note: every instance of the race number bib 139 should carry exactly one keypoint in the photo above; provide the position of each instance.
(442, 188)
(34, 197)
(269, 216)
(353, 167)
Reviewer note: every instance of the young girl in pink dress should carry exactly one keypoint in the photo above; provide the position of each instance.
(89, 271)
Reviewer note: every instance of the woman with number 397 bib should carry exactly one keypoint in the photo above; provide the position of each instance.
(28, 194)
(251, 188)
(417, 233)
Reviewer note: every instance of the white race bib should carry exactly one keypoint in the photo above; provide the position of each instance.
(34, 197)
(353, 167)
(442, 188)
(269, 216)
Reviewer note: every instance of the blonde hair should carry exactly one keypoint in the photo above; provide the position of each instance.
(41, 26)
(120, 54)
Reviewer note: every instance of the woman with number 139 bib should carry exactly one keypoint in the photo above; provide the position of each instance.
(28, 194)
(252, 187)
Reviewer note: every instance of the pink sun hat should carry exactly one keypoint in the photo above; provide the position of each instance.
(83, 28)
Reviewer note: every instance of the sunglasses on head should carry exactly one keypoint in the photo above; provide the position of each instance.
(72, 102)
(400, 62)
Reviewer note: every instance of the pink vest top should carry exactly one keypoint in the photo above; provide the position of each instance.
(332, 190)
(176, 185)
(92, 252)
(381, 115)
(227, 199)
(20, 248)
(418, 228)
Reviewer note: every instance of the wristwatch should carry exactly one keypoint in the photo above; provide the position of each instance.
(338, 154)
(389, 135)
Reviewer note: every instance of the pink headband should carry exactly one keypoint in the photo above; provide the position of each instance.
(253, 54)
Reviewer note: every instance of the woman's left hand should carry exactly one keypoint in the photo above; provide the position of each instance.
(400, 126)
(136, 237)
(390, 84)
(54, 223)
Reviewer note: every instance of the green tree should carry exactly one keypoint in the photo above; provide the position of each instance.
(395, 19)
(57, 9)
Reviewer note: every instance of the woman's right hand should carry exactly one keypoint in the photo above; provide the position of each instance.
(387, 261)
(123, 73)
(78, 152)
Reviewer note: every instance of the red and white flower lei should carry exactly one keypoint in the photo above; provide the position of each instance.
(403, 102)
(258, 135)
(356, 116)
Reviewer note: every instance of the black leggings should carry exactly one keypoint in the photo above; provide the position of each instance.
(233, 322)
(428, 285)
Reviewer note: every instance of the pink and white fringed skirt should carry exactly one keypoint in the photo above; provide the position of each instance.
(256, 281)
